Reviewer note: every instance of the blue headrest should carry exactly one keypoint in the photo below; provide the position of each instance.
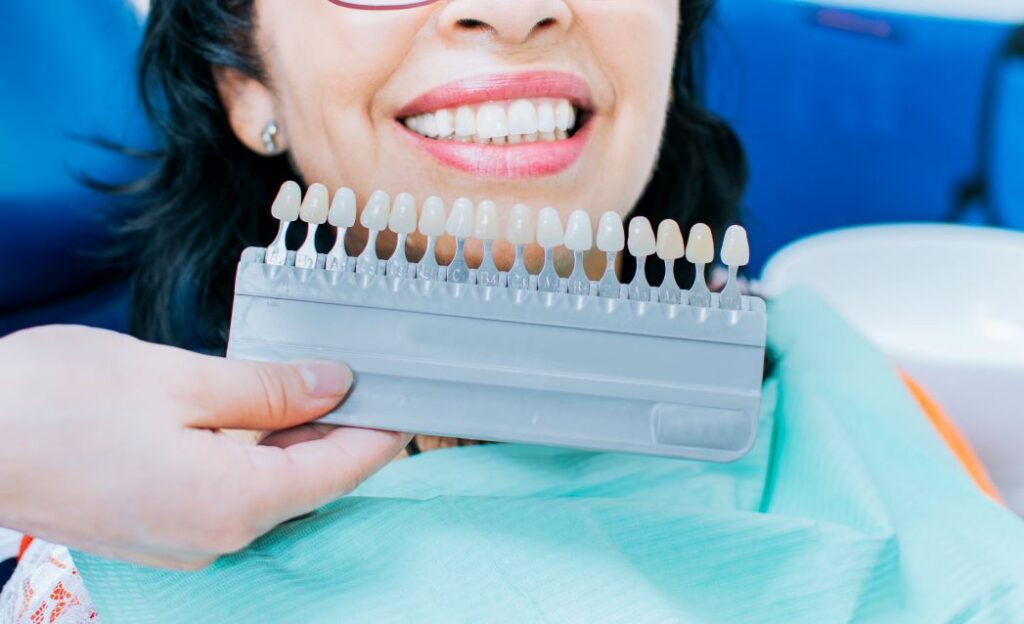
(67, 71)
(848, 116)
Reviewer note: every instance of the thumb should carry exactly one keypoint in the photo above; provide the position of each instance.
(269, 396)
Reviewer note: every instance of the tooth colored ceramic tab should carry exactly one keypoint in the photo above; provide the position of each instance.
(487, 226)
(343, 208)
(375, 213)
(432, 225)
(314, 212)
(342, 216)
(487, 229)
(701, 248)
(735, 248)
(550, 234)
(670, 249)
(611, 238)
(641, 245)
(520, 234)
(375, 219)
(700, 251)
(285, 209)
(735, 253)
(401, 221)
(460, 225)
(579, 238)
(286, 205)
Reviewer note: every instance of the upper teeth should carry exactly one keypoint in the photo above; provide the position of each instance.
(518, 121)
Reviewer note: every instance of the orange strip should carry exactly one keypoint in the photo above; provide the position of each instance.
(953, 438)
(26, 541)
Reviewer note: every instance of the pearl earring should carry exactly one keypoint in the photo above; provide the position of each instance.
(269, 137)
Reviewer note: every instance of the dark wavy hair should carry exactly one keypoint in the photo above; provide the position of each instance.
(208, 195)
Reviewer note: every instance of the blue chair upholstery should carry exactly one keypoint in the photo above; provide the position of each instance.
(850, 117)
(68, 74)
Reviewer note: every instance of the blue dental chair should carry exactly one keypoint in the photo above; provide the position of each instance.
(68, 75)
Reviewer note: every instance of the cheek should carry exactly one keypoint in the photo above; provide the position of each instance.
(636, 50)
(326, 65)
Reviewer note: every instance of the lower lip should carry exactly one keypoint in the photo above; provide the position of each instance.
(524, 160)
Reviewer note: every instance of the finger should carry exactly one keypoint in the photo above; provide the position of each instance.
(295, 480)
(234, 394)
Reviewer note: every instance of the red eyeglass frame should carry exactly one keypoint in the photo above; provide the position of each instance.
(393, 7)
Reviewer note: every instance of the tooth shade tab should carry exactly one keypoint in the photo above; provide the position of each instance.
(460, 219)
(487, 227)
(670, 240)
(641, 237)
(402, 219)
(286, 205)
(701, 247)
(343, 208)
(375, 213)
(549, 228)
(432, 219)
(735, 248)
(579, 233)
(611, 236)
(316, 204)
(520, 225)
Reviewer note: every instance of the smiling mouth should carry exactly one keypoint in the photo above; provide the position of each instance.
(501, 122)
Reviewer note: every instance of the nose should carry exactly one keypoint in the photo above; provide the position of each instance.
(504, 21)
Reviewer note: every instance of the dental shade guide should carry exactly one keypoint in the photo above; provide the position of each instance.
(700, 252)
(375, 220)
(611, 239)
(460, 226)
(401, 221)
(641, 245)
(670, 248)
(314, 213)
(286, 210)
(341, 216)
(488, 355)
(432, 225)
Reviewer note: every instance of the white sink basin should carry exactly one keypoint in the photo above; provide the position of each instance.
(946, 304)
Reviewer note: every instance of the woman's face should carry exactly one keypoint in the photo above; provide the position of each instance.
(345, 85)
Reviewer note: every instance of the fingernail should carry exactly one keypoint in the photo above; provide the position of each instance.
(326, 379)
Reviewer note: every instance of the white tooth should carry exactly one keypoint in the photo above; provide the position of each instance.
(641, 237)
(465, 121)
(432, 219)
(564, 115)
(561, 135)
(460, 219)
(410, 123)
(403, 214)
(520, 225)
(343, 209)
(499, 141)
(610, 234)
(481, 140)
(522, 117)
(487, 226)
(700, 248)
(549, 228)
(530, 138)
(430, 125)
(546, 117)
(579, 232)
(670, 240)
(286, 205)
(491, 121)
(445, 123)
(515, 139)
(547, 136)
(735, 248)
(375, 213)
(316, 204)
